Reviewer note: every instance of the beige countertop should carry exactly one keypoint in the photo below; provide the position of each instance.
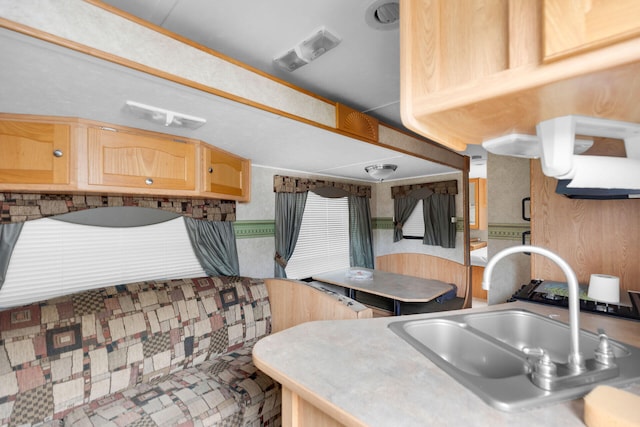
(364, 374)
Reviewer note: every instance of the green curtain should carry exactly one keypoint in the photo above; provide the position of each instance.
(402, 208)
(214, 243)
(437, 210)
(289, 210)
(360, 234)
(8, 237)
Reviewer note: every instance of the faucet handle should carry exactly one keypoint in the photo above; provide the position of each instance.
(604, 352)
(534, 351)
(544, 370)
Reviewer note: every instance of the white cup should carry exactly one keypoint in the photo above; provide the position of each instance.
(604, 288)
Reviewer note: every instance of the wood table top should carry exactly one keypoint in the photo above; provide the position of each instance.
(388, 285)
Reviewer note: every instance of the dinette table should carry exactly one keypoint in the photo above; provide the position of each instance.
(397, 287)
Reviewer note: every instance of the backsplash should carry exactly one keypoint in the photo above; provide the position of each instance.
(19, 207)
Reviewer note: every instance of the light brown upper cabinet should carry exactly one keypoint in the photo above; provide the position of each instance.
(225, 174)
(71, 155)
(478, 204)
(472, 70)
(575, 26)
(34, 155)
(123, 159)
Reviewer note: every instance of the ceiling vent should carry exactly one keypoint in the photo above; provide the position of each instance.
(383, 14)
(356, 123)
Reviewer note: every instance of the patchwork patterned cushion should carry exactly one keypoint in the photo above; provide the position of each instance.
(62, 353)
(258, 394)
(188, 397)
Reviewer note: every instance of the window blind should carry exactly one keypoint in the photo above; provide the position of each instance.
(54, 258)
(323, 243)
(414, 226)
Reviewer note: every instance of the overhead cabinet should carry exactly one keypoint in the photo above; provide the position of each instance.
(226, 173)
(37, 155)
(71, 155)
(572, 27)
(473, 70)
(124, 159)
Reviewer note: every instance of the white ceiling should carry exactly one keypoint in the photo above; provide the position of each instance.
(362, 72)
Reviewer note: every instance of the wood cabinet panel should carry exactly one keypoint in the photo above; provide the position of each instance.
(226, 174)
(467, 77)
(34, 153)
(122, 159)
(476, 283)
(572, 27)
(478, 210)
(593, 236)
(45, 153)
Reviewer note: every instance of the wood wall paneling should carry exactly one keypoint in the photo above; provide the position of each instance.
(593, 236)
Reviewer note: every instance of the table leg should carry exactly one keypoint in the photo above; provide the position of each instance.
(396, 307)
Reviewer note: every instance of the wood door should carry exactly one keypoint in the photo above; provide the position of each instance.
(572, 27)
(123, 159)
(34, 153)
(226, 174)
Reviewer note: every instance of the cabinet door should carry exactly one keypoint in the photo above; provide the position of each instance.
(575, 26)
(122, 159)
(226, 174)
(478, 204)
(34, 153)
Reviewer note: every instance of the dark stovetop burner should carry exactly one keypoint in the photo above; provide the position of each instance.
(556, 293)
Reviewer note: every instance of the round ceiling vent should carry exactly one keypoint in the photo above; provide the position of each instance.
(383, 14)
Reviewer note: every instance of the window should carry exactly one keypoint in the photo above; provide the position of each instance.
(323, 244)
(413, 228)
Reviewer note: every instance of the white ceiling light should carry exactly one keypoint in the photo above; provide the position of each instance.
(162, 116)
(319, 43)
(381, 172)
(383, 14)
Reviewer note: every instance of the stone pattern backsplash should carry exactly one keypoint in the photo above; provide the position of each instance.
(19, 207)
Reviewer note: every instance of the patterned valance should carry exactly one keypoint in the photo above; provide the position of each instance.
(440, 187)
(290, 184)
(19, 207)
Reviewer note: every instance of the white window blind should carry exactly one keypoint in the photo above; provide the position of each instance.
(54, 258)
(323, 244)
(414, 226)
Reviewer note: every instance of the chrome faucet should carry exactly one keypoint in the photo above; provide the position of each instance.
(576, 363)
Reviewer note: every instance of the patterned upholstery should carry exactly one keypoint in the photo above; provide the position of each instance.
(175, 352)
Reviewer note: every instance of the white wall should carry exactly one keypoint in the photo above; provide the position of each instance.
(507, 184)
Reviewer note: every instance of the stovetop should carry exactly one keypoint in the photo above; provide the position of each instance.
(556, 293)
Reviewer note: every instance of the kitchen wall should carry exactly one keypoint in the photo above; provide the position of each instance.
(254, 226)
(507, 184)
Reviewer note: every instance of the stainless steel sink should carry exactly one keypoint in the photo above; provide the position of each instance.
(486, 353)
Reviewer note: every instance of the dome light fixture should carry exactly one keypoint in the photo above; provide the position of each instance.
(320, 42)
(381, 172)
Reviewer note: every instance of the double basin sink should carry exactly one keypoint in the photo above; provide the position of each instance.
(487, 353)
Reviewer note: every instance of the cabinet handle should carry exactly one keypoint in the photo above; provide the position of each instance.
(148, 181)
(210, 170)
(524, 209)
(57, 153)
